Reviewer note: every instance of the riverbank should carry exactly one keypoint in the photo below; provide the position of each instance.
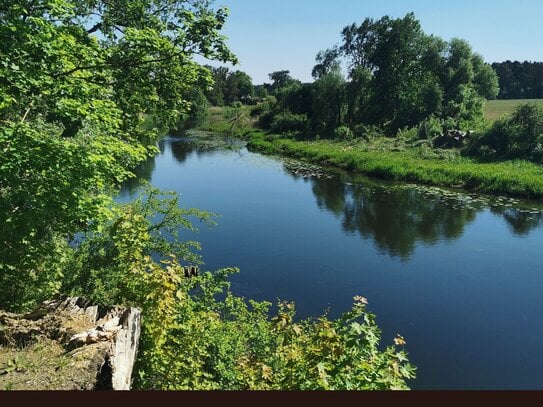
(513, 178)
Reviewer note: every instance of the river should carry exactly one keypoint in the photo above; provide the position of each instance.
(459, 276)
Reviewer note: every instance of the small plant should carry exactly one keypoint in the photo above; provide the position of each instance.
(343, 133)
(289, 123)
(430, 128)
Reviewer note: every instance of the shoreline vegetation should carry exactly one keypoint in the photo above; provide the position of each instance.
(398, 159)
(513, 178)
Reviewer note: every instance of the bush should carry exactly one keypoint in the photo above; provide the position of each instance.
(367, 132)
(266, 110)
(343, 133)
(289, 123)
(259, 109)
(519, 136)
(430, 128)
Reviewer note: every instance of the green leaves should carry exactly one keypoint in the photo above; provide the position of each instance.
(400, 76)
(77, 79)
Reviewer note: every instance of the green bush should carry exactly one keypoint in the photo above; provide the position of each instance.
(430, 128)
(343, 133)
(519, 136)
(289, 123)
(367, 132)
(259, 109)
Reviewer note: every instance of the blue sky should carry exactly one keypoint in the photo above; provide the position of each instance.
(271, 35)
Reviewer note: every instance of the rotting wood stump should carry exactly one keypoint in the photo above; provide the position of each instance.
(69, 344)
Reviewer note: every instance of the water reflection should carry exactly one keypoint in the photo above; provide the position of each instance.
(181, 150)
(398, 217)
(521, 221)
(395, 218)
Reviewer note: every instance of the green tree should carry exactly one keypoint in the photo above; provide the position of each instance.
(328, 103)
(280, 80)
(215, 93)
(78, 79)
(239, 88)
(229, 87)
(400, 76)
(520, 80)
(326, 62)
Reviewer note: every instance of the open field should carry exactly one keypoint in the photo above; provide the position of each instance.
(496, 108)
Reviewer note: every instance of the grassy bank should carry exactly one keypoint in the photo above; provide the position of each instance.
(513, 178)
(495, 109)
(228, 120)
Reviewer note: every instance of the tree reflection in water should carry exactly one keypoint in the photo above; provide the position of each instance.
(398, 218)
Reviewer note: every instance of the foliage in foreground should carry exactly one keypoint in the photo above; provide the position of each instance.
(198, 335)
(78, 80)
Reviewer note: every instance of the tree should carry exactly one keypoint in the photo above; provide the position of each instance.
(239, 88)
(399, 76)
(215, 93)
(326, 62)
(280, 80)
(229, 87)
(520, 80)
(78, 80)
(328, 103)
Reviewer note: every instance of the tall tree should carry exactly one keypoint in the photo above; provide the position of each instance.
(328, 103)
(406, 76)
(78, 80)
(280, 80)
(520, 80)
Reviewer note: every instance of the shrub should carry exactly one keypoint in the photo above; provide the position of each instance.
(367, 132)
(289, 123)
(259, 109)
(519, 136)
(430, 128)
(343, 133)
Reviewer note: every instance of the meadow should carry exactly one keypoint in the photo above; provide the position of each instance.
(494, 109)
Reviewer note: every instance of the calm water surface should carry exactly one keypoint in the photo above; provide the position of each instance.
(460, 277)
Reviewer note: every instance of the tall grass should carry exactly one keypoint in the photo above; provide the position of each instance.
(514, 178)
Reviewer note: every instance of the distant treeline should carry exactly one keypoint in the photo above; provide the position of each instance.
(520, 80)
(384, 75)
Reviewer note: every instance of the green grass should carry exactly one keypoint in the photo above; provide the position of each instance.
(228, 120)
(494, 109)
(513, 178)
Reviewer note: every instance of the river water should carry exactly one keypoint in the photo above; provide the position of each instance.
(459, 276)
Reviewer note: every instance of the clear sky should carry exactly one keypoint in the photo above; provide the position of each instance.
(272, 35)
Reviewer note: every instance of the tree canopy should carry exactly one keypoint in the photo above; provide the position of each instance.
(397, 76)
(520, 80)
(229, 87)
(78, 80)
